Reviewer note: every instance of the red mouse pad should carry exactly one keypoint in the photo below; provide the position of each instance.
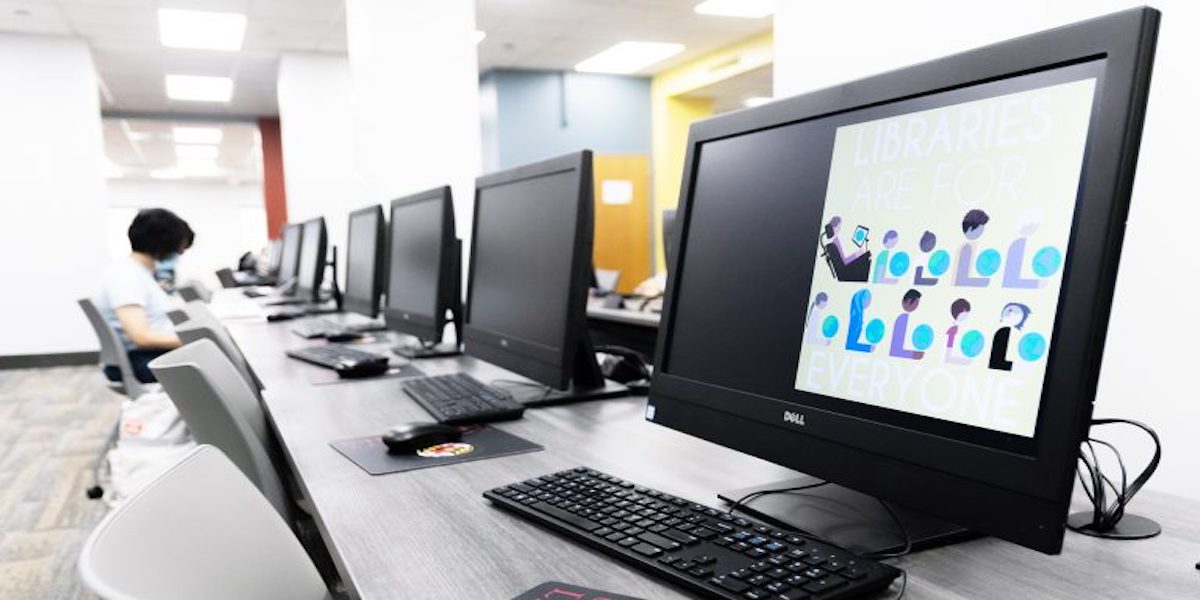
(557, 590)
(478, 442)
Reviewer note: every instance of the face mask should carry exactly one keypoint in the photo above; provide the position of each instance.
(168, 263)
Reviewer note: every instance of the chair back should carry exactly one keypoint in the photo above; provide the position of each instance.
(221, 409)
(200, 530)
(112, 349)
(203, 324)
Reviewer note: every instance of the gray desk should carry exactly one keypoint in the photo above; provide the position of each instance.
(429, 534)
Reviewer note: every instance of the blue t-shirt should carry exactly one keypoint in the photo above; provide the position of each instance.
(128, 283)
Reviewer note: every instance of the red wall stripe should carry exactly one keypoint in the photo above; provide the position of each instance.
(274, 195)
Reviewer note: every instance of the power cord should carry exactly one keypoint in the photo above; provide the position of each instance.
(1106, 515)
(544, 388)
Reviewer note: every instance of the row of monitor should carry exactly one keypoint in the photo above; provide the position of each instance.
(528, 284)
(995, 183)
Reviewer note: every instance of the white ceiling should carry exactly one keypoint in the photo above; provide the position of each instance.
(526, 34)
(145, 149)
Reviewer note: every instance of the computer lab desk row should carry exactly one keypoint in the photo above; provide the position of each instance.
(430, 534)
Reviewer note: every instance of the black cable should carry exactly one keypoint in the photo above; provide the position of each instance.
(1105, 514)
(903, 531)
(533, 384)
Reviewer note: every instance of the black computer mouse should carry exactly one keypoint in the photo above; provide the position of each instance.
(407, 438)
(359, 370)
(343, 336)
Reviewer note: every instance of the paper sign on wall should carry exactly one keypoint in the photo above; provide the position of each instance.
(616, 191)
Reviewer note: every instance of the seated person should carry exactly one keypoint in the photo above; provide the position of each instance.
(129, 298)
(853, 266)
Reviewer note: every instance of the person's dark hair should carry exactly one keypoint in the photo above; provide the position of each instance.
(959, 307)
(911, 296)
(1025, 312)
(891, 234)
(928, 241)
(834, 222)
(159, 233)
(974, 218)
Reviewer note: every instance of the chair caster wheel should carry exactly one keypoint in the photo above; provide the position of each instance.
(95, 492)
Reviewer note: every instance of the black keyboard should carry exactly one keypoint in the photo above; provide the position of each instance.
(459, 399)
(702, 549)
(253, 293)
(319, 328)
(333, 355)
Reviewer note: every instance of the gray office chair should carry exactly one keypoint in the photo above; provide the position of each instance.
(221, 409)
(202, 324)
(194, 290)
(112, 350)
(200, 530)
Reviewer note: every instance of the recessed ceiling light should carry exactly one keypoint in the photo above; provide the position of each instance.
(629, 57)
(198, 135)
(192, 151)
(201, 29)
(746, 9)
(199, 88)
(479, 35)
(757, 101)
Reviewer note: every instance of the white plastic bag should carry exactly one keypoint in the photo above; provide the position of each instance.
(152, 438)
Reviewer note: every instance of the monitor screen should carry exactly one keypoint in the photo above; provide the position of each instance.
(905, 258)
(361, 256)
(524, 245)
(274, 256)
(289, 254)
(312, 254)
(415, 256)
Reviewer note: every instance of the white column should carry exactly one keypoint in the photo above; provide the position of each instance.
(317, 127)
(416, 81)
(52, 205)
(1150, 352)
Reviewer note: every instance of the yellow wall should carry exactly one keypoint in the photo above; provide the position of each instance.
(672, 114)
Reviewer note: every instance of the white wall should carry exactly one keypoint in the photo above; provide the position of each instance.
(1150, 357)
(51, 194)
(416, 86)
(229, 220)
(320, 165)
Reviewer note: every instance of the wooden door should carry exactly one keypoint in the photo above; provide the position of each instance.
(623, 240)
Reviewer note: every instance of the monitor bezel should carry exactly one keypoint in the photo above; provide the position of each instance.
(550, 366)
(282, 276)
(312, 293)
(1020, 498)
(368, 307)
(415, 323)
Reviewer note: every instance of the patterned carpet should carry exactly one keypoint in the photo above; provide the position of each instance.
(52, 422)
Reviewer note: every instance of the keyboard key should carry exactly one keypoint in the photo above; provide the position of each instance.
(627, 542)
(562, 515)
(668, 559)
(853, 573)
(778, 587)
(701, 572)
(757, 594)
(821, 586)
(776, 573)
(658, 540)
(730, 584)
(647, 550)
(758, 580)
(680, 537)
(704, 559)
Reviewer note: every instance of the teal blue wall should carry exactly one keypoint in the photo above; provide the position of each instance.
(532, 115)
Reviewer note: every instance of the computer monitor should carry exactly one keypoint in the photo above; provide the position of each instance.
(531, 253)
(670, 230)
(364, 261)
(424, 275)
(274, 258)
(311, 268)
(289, 253)
(957, 380)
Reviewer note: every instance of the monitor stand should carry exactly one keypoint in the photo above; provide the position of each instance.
(420, 349)
(845, 517)
(534, 395)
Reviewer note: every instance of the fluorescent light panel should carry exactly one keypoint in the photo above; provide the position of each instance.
(194, 151)
(629, 57)
(199, 88)
(201, 29)
(198, 135)
(746, 9)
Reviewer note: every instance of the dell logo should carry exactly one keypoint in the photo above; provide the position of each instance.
(794, 418)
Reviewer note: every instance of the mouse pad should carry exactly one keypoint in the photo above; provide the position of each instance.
(326, 376)
(478, 442)
(557, 590)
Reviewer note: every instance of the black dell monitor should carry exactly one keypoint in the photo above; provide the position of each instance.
(531, 253)
(289, 254)
(423, 283)
(311, 267)
(364, 261)
(901, 285)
